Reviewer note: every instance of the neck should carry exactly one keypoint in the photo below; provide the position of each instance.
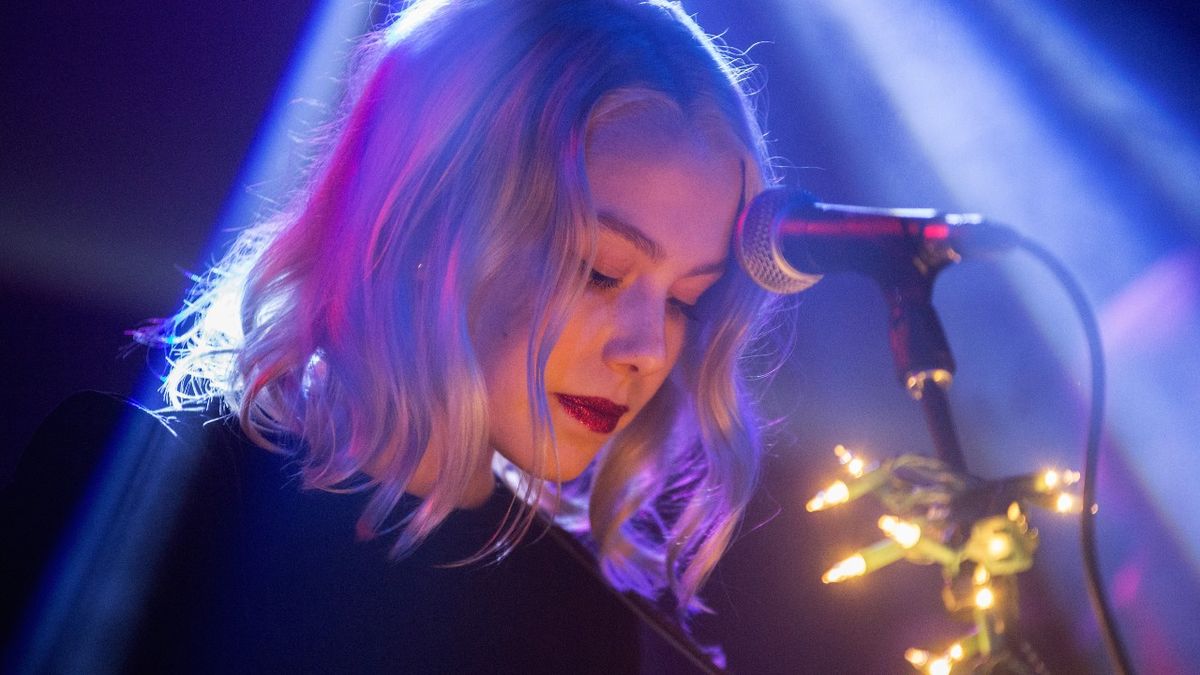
(479, 487)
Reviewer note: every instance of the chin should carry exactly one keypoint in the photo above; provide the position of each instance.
(576, 452)
(572, 462)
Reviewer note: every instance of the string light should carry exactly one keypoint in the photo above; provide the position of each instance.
(922, 494)
(981, 575)
(854, 566)
(1014, 512)
(958, 652)
(999, 546)
(985, 598)
(863, 479)
(917, 657)
(869, 559)
(837, 493)
(855, 466)
(969, 646)
(903, 532)
(840, 492)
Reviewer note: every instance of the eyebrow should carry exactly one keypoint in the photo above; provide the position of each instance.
(652, 249)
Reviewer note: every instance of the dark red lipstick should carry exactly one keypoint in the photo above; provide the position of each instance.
(598, 414)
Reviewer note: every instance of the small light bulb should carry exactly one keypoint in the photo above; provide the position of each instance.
(837, 493)
(939, 666)
(956, 651)
(999, 546)
(1070, 477)
(854, 566)
(985, 598)
(905, 533)
(1065, 503)
(1050, 479)
(842, 453)
(981, 575)
(917, 657)
(1014, 512)
(856, 467)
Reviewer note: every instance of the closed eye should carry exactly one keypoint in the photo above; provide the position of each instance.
(687, 310)
(602, 281)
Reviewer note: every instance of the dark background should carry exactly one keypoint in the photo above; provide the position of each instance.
(125, 127)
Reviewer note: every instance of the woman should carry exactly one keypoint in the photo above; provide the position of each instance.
(513, 260)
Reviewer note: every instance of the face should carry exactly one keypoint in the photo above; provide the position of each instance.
(665, 200)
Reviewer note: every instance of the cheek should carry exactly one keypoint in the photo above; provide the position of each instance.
(500, 337)
(676, 334)
(501, 347)
(586, 323)
(503, 364)
(497, 322)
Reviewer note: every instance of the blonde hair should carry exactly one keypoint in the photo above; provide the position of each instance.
(339, 330)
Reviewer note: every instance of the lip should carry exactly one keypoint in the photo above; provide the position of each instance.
(594, 412)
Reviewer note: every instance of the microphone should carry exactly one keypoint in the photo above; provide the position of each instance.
(786, 240)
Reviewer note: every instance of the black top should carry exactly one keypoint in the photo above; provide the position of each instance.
(132, 545)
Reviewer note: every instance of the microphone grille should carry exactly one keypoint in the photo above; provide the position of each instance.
(756, 241)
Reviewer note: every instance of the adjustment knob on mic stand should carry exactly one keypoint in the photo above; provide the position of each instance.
(924, 364)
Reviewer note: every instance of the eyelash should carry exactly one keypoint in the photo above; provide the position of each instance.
(605, 282)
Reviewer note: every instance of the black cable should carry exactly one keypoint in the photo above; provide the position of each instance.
(1091, 564)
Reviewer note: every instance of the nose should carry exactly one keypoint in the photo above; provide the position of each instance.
(637, 342)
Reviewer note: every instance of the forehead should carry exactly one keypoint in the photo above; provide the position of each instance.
(678, 184)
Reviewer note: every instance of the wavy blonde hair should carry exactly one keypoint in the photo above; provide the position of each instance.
(340, 329)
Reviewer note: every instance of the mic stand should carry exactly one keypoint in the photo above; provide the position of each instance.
(925, 367)
(924, 364)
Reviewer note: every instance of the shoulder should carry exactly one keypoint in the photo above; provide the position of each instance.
(93, 434)
(63, 484)
(96, 447)
(109, 498)
(78, 438)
